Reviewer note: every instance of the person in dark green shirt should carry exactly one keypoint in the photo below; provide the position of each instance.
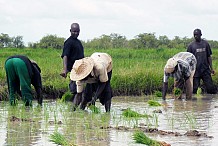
(21, 72)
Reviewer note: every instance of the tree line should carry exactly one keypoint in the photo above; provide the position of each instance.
(114, 40)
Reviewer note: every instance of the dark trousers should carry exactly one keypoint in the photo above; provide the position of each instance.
(90, 89)
(105, 97)
(207, 82)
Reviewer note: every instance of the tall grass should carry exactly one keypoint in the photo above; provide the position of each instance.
(135, 72)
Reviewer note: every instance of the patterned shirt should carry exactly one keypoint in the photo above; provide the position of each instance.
(186, 64)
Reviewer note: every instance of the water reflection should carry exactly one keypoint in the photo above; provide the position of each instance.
(84, 128)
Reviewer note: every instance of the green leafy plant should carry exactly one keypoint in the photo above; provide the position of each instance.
(94, 109)
(177, 92)
(59, 139)
(141, 138)
(158, 93)
(153, 103)
(199, 91)
(67, 96)
(130, 113)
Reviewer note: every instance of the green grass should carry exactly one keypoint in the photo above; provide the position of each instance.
(135, 71)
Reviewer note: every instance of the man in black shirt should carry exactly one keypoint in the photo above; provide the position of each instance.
(21, 73)
(72, 51)
(202, 51)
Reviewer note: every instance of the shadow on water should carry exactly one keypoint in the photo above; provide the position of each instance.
(170, 122)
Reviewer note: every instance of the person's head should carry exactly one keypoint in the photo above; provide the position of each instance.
(75, 30)
(170, 65)
(197, 35)
(82, 68)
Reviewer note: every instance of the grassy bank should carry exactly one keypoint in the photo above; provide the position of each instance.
(135, 72)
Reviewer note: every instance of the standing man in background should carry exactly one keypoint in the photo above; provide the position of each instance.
(72, 51)
(202, 51)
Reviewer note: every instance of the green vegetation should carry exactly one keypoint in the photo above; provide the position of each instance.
(67, 96)
(140, 137)
(94, 109)
(153, 103)
(158, 93)
(135, 71)
(133, 114)
(177, 92)
(58, 138)
(114, 40)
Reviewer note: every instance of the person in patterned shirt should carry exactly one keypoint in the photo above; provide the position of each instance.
(202, 51)
(182, 68)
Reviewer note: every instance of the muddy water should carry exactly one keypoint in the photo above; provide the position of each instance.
(34, 126)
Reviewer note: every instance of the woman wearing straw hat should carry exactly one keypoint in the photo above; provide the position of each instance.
(94, 71)
(182, 68)
(21, 73)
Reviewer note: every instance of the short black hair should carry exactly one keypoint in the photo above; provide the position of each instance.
(197, 31)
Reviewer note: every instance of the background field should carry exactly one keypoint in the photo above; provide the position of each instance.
(135, 72)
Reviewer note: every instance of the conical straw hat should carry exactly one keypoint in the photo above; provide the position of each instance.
(81, 69)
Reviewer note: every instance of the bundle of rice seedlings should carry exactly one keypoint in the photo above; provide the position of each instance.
(94, 109)
(158, 93)
(67, 96)
(199, 91)
(59, 139)
(141, 138)
(153, 103)
(177, 92)
(130, 113)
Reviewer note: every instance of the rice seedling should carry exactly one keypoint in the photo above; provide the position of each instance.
(67, 96)
(153, 103)
(94, 109)
(141, 138)
(177, 92)
(158, 93)
(130, 113)
(199, 91)
(191, 120)
(59, 139)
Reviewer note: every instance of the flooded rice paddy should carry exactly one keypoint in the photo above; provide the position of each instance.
(170, 122)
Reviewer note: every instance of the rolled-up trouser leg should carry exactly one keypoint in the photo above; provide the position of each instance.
(189, 86)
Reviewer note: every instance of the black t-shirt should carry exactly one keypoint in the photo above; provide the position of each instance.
(73, 49)
(202, 51)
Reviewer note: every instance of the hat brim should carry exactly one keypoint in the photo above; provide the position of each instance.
(84, 69)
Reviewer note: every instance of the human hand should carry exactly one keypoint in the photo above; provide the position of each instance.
(63, 74)
(92, 102)
(212, 72)
(40, 99)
